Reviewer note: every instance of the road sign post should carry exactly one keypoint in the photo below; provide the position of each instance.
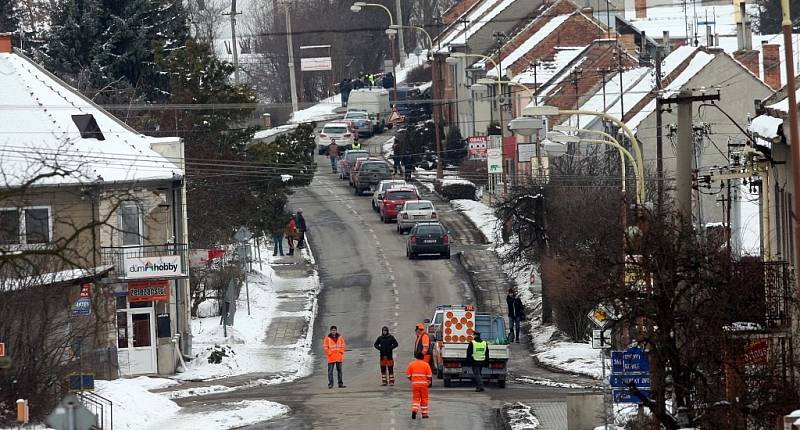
(629, 368)
(242, 236)
(70, 414)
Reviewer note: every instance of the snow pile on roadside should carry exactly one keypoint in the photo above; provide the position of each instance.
(245, 350)
(521, 417)
(322, 111)
(482, 216)
(387, 149)
(572, 357)
(137, 408)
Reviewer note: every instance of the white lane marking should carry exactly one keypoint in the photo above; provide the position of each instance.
(396, 299)
(397, 306)
(396, 314)
(392, 278)
(395, 323)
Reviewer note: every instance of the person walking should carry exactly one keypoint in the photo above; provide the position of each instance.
(300, 222)
(516, 314)
(357, 85)
(478, 355)
(408, 165)
(397, 156)
(345, 87)
(421, 377)
(333, 154)
(290, 231)
(386, 343)
(422, 343)
(334, 345)
(277, 243)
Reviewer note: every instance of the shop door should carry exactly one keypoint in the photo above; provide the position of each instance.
(136, 343)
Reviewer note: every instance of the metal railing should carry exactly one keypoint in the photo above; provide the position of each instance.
(116, 255)
(102, 407)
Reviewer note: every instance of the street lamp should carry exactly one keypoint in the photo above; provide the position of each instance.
(430, 39)
(356, 7)
(544, 110)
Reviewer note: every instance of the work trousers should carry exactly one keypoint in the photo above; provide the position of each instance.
(387, 371)
(419, 398)
(277, 247)
(477, 374)
(338, 366)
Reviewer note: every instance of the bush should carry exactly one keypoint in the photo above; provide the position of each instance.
(453, 189)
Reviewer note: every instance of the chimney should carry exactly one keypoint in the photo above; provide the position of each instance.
(772, 64)
(641, 8)
(666, 43)
(5, 43)
(749, 59)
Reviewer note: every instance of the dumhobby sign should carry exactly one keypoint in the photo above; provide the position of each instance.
(153, 267)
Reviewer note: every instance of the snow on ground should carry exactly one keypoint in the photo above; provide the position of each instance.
(521, 417)
(322, 111)
(155, 411)
(387, 148)
(574, 357)
(481, 215)
(245, 345)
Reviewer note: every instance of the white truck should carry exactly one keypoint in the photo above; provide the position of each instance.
(451, 330)
(375, 101)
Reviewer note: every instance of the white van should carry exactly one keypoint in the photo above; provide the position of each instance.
(375, 101)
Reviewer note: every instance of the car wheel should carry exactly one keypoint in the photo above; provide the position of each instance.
(501, 383)
(446, 255)
(386, 220)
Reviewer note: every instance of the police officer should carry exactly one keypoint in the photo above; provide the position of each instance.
(478, 354)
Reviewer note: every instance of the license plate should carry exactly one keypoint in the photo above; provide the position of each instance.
(419, 216)
(429, 241)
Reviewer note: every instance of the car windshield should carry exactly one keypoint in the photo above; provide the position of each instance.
(375, 167)
(391, 184)
(418, 206)
(401, 195)
(335, 130)
(357, 115)
(429, 229)
(352, 156)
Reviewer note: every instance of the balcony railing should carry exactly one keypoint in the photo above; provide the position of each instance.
(768, 300)
(147, 261)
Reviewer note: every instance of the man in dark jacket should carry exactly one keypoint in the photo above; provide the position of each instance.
(408, 165)
(358, 84)
(516, 314)
(478, 355)
(345, 87)
(301, 229)
(386, 343)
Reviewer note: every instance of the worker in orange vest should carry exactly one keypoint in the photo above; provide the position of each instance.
(420, 374)
(333, 344)
(423, 343)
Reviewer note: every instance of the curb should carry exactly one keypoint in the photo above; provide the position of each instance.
(501, 418)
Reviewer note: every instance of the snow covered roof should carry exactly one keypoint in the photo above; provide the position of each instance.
(730, 45)
(636, 84)
(689, 19)
(529, 43)
(476, 18)
(783, 104)
(273, 132)
(39, 131)
(52, 278)
(765, 128)
(564, 55)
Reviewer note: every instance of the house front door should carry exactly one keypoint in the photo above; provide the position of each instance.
(136, 341)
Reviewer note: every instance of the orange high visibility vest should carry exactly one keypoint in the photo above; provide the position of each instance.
(423, 344)
(419, 372)
(334, 349)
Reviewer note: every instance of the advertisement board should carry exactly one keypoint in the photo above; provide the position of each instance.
(477, 146)
(494, 160)
(152, 267)
(315, 64)
(146, 291)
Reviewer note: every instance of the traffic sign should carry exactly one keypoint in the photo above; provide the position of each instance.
(632, 360)
(82, 307)
(242, 235)
(601, 338)
(70, 414)
(600, 316)
(2, 349)
(627, 396)
(640, 381)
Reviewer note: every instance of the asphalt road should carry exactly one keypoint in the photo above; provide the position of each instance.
(367, 282)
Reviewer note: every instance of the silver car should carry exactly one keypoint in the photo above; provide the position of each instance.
(339, 132)
(415, 211)
(377, 196)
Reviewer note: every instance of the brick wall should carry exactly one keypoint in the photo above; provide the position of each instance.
(749, 59)
(641, 8)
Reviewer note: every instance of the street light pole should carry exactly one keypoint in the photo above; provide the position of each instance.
(292, 78)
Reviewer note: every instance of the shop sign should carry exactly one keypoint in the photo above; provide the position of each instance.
(153, 267)
(82, 307)
(757, 353)
(86, 291)
(477, 146)
(147, 291)
(2, 349)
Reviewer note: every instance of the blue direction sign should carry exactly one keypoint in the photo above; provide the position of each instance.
(624, 381)
(82, 307)
(626, 396)
(631, 360)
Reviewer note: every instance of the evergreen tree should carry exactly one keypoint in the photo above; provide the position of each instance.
(8, 17)
(109, 47)
(770, 16)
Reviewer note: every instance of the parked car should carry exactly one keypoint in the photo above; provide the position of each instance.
(377, 197)
(354, 170)
(335, 131)
(415, 211)
(370, 174)
(393, 200)
(362, 122)
(348, 159)
(428, 238)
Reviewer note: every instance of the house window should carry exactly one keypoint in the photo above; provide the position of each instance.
(9, 226)
(25, 226)
(131, 224)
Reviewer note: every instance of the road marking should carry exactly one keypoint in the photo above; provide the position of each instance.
(396, 314)
(397, 306)
(392, 278)
(396, 299)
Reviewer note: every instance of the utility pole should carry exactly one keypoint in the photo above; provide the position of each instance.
(234, 46)
(659, 134)
(685, 148)
(793, 128)
(292, 78)
(401, 41)
(499, 38)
